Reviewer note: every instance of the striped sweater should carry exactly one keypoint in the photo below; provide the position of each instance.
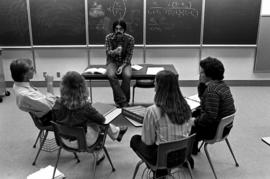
(216, 103)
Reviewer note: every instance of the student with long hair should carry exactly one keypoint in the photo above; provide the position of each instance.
(166, 120)
(74, 109)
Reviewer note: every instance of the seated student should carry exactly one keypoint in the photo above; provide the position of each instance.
(216, 100)
(74, 109)
(30, 99)
(164, 121)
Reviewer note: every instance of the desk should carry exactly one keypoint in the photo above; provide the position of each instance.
(136, 74)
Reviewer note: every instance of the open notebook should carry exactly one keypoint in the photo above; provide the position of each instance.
(110, 112)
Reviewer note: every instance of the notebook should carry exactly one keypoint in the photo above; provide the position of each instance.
(110, 112)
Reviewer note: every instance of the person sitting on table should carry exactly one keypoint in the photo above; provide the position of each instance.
(74, 109)
(216, 101)
(166, 120)
(119, 51)
(28, 98)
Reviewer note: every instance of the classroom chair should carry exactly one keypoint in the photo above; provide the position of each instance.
(41, 136)
(222, 133)
(78, 134)
(168, 156)
(142, 84)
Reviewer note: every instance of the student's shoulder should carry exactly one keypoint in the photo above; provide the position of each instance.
(109, 36)
(128, 36)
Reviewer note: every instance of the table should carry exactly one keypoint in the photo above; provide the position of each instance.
(136, 74)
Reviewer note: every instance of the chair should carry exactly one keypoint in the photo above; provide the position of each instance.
(142, 84)
(39, 124)
(78, 134)
(222, 133)
(168, 151)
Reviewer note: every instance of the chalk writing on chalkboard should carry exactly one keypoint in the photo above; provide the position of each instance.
(102, 13)
(173, 21)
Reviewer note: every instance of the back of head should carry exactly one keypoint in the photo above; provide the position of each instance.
(213, 68)
(19, 68)
(170, 99)
(73, 90)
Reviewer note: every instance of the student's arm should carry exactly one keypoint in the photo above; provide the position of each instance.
(94, 116)
(37, 103)
(148, 129)
(108, 45)
(209, 111)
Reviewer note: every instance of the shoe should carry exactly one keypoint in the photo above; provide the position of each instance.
(100, 159)
(191, 162)
(123, 130)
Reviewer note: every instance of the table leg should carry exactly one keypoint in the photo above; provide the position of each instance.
(90, 91)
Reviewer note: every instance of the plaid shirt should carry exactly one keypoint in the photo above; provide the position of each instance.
(127, 43)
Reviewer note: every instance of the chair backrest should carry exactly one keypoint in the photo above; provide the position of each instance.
(75, 134)
(223, 129)
(175, 153)
(39, 123)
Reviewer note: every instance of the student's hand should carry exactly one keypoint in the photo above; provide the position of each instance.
(118, 50)
(119, 70)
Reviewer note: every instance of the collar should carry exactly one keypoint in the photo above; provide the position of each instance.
(22, 84)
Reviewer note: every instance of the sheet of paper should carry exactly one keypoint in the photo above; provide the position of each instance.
(194, 97)
(95, 70)
(192, 104)
(112, 115)
(136, 67)
(153, 70)
(46, 173)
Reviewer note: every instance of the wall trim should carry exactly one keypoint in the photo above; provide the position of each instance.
(184, 83)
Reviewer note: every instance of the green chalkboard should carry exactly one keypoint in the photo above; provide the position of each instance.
(58, 22)
(14, 29)
(102, 14)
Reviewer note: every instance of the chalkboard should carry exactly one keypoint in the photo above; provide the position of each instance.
(102, 14)
(231, 21)
(173, 21)
(14, 30)
(58, 22)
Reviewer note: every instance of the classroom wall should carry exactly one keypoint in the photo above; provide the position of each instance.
(239, 62)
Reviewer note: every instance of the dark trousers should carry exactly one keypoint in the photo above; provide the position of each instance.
(121, 93)
(149, 152)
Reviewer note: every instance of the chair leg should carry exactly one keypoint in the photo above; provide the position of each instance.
(76, 157)
(133, 92)
(209, 159)
(189, 169)
(41, 145)
(201, 146)
(34, 146)
(108, 156)
(58, 156)
(95, 164)
(137, 168)
(236, 163)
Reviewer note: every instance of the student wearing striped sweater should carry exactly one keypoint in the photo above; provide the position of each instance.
(216, 100)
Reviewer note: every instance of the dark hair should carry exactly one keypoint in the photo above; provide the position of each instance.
(170, 99)
(213, 68)
(19, 68)
(120, 22)
(73, 90)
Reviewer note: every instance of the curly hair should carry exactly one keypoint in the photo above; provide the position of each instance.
(213, 68)
(73, 90)
(121, 23)
(170, 99)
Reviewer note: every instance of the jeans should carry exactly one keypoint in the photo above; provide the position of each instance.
(121, 93)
